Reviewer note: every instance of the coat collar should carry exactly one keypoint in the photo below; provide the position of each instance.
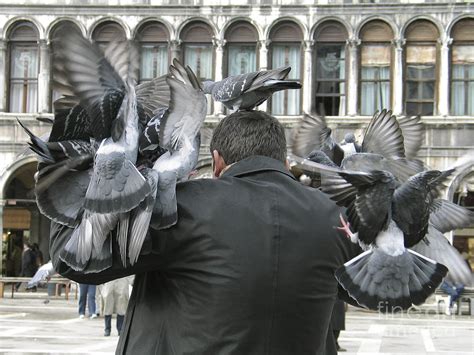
(255, 164)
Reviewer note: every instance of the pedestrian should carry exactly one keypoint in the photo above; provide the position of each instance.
(115, 297)
(249, 266)
(87, 296)
(29, 265)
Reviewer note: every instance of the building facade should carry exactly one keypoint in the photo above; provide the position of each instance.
(353, 58)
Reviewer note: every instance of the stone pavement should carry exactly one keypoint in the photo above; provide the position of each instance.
(29, 326)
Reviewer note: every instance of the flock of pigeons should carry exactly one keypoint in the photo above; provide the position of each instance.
(393, 205)
(117, 149)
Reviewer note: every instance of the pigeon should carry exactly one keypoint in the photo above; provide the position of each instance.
(246, 91)
(43, 274)
(388, 217)
(385, 135)
(180, 135)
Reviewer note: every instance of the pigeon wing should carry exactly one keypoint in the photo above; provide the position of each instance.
(384, 136)
(412, 131)
(446, 216)
(309, 134)
(187, 109)
(43, 273)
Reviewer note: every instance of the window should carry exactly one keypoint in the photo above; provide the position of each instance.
(24, 68)
(153, 41)
(330, 69)
(198, 52)
(375, 61)
(107, 32)
(286, 51)
(241, 48)
(462, 69)
(56, 31)
(420, 69)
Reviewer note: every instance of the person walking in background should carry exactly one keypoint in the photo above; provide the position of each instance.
(29, 265)
(115, 297)
(87, 295)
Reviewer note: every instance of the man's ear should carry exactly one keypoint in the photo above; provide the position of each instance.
(218, 164)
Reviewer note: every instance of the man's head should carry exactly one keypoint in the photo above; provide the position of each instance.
(244, 134)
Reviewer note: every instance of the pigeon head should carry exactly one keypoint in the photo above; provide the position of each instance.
(207, 86)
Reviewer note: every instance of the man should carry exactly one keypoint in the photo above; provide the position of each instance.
(249, 267)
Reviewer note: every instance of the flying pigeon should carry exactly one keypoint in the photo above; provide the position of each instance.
(246, 91)
(179, 135)
(43, 274)
(385, 135)
(388, 217)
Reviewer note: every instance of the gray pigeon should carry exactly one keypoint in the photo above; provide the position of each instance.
(43, 273)
(388, 216)
(246, 91)
(385, 135)
(178, 129)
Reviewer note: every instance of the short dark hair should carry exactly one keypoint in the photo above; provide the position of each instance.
(247, 133)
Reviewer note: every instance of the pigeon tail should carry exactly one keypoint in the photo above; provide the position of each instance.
(121, 194)
(77, 251)
(277, 85)
(387, 283)
(100, 261)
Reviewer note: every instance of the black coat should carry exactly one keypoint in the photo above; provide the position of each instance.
(248, 269)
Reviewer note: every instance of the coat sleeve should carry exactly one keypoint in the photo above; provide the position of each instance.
(150, 258)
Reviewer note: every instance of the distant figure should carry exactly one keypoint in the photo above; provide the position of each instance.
(115, 297)
(87, 295)
(338, 321)
(454, 292)
(38, 254)
(28, 264)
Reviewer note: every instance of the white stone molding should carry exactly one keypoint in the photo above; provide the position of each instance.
(3, 75)
(443, 83)
(397, 82)
(44, 77)
(308, 75)
(352, 75)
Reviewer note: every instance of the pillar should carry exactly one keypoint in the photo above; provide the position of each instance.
(175, 49)
(263, 64)
(352, 76)
(3, 76)
(443, 84)
(397, 82)
(308, 76)
(44, 78)
(219, 69)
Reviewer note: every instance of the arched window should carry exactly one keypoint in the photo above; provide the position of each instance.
(286, 39)
(198, 52)
(55, 32)
(24, 68)
(108, 31)
(375, 58)
(420, 68)
(154, 58)
(241, 48)
(330, 69)
(197, 49)
(462, 68)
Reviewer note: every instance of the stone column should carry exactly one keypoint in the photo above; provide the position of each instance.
(44, 78)
(219, 69)
(175, 49)
(2, 204)
(397, 82)
(3, 75)
(443, 84)
(308, 76)
(352, 93)
(263, 64)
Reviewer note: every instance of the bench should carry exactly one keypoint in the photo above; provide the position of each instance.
(4, 280)
(467, 295)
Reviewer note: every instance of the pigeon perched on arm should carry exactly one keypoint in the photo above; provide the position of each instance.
(246, 91)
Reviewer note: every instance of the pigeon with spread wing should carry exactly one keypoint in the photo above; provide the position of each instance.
(246, 91)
